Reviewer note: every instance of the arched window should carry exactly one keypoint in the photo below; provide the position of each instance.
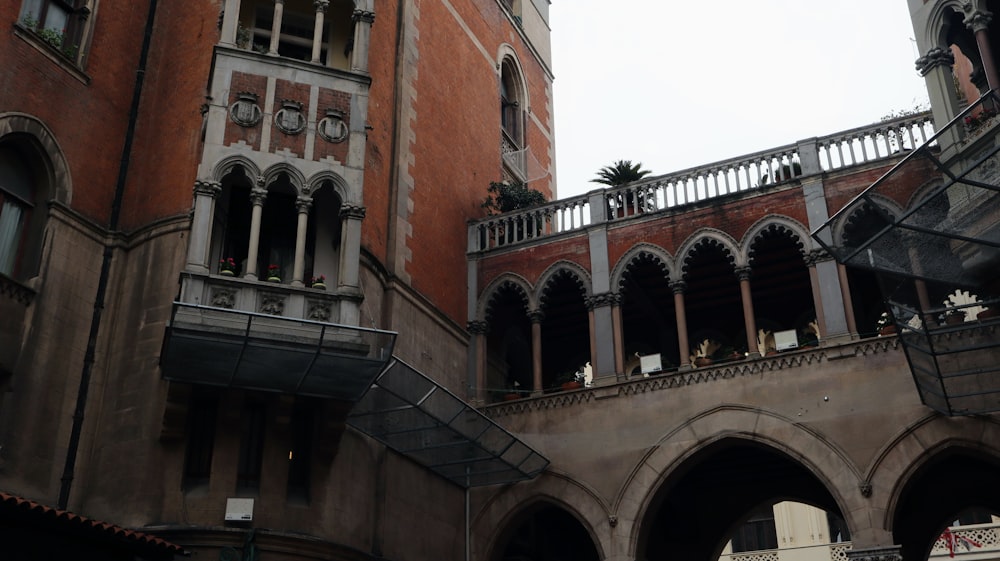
(22, 208)
(512, 103)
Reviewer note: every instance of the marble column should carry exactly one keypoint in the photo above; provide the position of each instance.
(200, 242)
(817, 293)
(257, 197)
(230, 22)
(302, 205)
(536, 317)
(279, 9)
(349, 274)
(979, 22)
(618, 333)
(750, 323)
(845, 292)
(680, 313)
(321, 6)
(362, 39)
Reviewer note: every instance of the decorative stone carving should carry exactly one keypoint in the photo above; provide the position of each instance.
(875, 554)
(866, 489)
(978, 20)
(244, 111)
(743, 273)
(332, 128)
(934, 58)
(289, 119)
(257, 196)
(678, 286)
(321, 5)
(816, 256)
(366, 17)
(207, 187)
(352, 211)
(319, 310)
(598, 300)
(536, 316)
(478, 327)
(272, 303)
(223, 297)
(303, 204)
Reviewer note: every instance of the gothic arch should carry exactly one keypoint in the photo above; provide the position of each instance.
(660, 255)
(554, 488)
(886, 204)
(506, 55)
(519, 283)
(58, 179)
(711, 236)
(935, 31)
(827, 462)
(295, 177)
(225, 166)
(774, 223)
(559, 268)
(340, 187)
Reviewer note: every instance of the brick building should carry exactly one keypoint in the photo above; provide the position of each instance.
(254, 305)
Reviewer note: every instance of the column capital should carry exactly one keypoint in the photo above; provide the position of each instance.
(678, 286)
(977, 20)
(352, 211)
(257, 195)
(279, 2)
(363, 16)
(815, 256)
(935, 57)
(600, 300)
(207, 187)
(890, 553)
(536, 316)
(303, 204)
(321, 5)
(743, 273)
(478, 327)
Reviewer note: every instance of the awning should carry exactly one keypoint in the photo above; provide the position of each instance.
(413, 415)
(232, 348)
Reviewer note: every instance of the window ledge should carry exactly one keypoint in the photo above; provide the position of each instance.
(16, 290)
(50, 52)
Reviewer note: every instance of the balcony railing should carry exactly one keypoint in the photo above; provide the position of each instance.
(840, 151)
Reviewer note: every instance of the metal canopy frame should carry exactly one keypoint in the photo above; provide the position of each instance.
(232, 348)
(413, 415)
(946, 241)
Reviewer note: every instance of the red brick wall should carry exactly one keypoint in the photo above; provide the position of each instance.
(331, 99)
(531, 262)
(242, 82)
(295, 142)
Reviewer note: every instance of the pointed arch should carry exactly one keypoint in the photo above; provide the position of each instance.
(561, 268)
(340, 187)
(57, 172)
(225, 166)
(885, 204)
(295, 177)
(774, 223)
(659, 255)
(935, 31)
(506, 55)
(506, 280)
(709, 237)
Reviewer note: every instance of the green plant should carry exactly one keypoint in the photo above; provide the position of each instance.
(620, 173)
(53, 37)
(507, 197)
(242, 36)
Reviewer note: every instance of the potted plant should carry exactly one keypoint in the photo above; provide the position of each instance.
(573, 381)
(885, 325)
(273, 273)
(319, 282)
(227, 267)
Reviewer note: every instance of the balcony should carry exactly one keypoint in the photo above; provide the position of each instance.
(942, 288)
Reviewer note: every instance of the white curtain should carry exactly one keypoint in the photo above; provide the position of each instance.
(11, 215)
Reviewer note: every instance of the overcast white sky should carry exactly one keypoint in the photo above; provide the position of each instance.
(677, 84)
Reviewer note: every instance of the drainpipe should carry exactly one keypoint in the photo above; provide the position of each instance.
(102, 282)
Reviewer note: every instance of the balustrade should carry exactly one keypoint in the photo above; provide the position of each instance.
(747, 173)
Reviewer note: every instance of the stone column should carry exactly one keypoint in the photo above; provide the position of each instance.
(479, 329)
(348, 278)
(321, 6)
(230, 22)
(682, 326)
(936, 68)
(979, 22)
(618, 334)
(302, 204)
(200, 242)
(817, 293)
(279, 9)
(536, 317)
(890, 553)
(845, 292)
(257, 196)
(602, 335)
(362, 39)
(750, 323)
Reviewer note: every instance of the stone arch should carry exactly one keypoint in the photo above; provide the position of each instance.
(888, 205)
(774, 223)
(507, 55)
(823, 459)
(340, 187)
(709, 236)
(925, 191)
(295, 177)
(225, 166)
(660, 255)
(563, 267)
(59, 179)
(555, 488)
(934, 33)
(519, 283)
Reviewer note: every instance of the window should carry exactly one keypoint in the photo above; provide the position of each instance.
(758, 533)
(200, 441)
(59, 23)
(17, 195)
(300, 451)
(512, 102)
(251, 447)
(298, 22)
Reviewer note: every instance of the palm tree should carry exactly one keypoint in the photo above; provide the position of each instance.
(621, 172)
